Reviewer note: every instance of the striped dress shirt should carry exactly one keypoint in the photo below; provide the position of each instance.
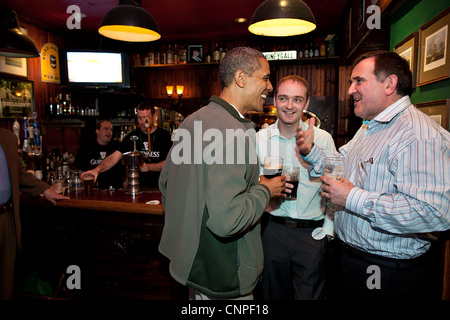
(399, 163)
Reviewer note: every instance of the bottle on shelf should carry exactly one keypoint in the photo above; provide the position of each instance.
(169, 55)
(208, 56)
(182, 55)
(163, 56)
(216, 57)
(175, 54)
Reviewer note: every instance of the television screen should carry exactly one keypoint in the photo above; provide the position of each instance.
(98, 69)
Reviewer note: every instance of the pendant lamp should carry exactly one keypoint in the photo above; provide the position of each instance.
(281, 18)
(129, 21)
(13, 42)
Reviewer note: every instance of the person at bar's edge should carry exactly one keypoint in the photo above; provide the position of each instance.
(15, 179)
(394, 198)
(93, 152)
(213, 207)
(153, 142)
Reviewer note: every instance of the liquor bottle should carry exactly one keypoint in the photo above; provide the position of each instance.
(49, 109)
(151, 57)
(223, 52)
(182, 56)
(175, 54)
(157, 57)
(169, 55)
(306, 51)
(323, 50)
(208, 56)
(311, 50)
(163, 56)
(216, 57)
(316, 50)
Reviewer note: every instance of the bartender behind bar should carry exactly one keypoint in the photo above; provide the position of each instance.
(154, 143)
(93, 152)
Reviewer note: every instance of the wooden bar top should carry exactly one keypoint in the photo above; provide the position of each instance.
(113, 201)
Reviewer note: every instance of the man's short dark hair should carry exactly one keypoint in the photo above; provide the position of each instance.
(387, 63)
(243, 58)
(146, 105)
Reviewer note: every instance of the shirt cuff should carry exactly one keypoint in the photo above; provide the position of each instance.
(356, 200)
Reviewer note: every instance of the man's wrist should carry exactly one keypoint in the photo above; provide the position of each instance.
(306, 153)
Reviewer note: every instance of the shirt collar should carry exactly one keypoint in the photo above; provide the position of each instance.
(273, 129)
(393, 110)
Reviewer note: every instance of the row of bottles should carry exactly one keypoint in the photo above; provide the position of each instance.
(62, 106)
(178, 55)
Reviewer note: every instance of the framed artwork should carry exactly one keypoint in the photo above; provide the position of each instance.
(407, 50)
(438, 110)
(16, 98)
(195, 53)
(14, 66)
(434, 61)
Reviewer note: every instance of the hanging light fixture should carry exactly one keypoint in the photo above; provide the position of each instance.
(13, 42)
(129, 21)
(281, 18)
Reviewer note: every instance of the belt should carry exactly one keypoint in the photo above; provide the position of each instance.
(380, 260)
(297, 223)
(6, 206)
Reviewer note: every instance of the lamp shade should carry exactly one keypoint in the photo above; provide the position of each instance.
(281, 18)
(13, 42)
(129, 22)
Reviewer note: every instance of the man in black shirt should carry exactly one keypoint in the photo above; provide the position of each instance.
(92, 153)
(153, 142)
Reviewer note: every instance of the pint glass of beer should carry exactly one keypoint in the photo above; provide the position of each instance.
(294, 176)
(333, 168)
(272, 167)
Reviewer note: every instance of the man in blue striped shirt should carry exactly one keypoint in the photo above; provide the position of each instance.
(396, 185)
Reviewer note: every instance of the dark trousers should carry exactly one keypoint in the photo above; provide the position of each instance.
(294, 263)
(369, 277)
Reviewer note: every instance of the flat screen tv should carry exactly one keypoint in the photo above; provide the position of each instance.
(94, 69)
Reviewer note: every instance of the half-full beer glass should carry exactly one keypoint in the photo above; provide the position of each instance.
(272, 167)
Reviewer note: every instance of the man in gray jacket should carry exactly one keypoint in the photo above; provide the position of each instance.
(212, 194)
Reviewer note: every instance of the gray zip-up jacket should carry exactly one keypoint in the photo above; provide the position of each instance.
(213, 203)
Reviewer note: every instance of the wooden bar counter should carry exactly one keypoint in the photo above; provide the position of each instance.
(111, 236)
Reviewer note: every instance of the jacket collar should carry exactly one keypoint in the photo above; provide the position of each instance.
(228, 107)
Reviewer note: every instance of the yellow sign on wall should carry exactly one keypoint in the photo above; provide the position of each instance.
(50, 63)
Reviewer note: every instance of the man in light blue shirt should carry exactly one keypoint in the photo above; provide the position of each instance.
(396, 185)
(294, 239)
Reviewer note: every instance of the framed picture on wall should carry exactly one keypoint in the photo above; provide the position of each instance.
(13, 66)
(438, 110)
(434, 41)
(407, 50)
(16, 98)
(195, 53)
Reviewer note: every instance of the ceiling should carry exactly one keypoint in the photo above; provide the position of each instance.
(177, 19)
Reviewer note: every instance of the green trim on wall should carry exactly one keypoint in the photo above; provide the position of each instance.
(408, 18)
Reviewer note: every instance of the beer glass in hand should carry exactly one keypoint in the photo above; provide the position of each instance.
(294, 176)
(333, 168)
(272, 167)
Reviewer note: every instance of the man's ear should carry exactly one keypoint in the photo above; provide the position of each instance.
(239, 78)
(391, 84)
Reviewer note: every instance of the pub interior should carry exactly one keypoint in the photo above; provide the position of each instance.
(111, 235)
